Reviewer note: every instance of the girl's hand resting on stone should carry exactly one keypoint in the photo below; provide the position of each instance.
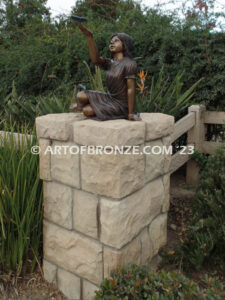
(134, 117)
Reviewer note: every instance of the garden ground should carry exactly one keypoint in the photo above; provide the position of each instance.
(33, 287)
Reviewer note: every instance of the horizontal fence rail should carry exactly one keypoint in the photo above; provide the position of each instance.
(179, 159)
(18, 138)
(183, 125)
(214, 117)
(210, 147)
(194, 124)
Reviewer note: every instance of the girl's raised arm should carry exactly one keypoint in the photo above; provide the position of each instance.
(95, 58)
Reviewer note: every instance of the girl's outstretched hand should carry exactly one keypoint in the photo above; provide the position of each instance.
(84, 30)
(79, 21)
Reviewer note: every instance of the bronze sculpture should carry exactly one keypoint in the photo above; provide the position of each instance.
(119, 102)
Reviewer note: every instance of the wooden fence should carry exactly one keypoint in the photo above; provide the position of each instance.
(194, 124)
(19, 138)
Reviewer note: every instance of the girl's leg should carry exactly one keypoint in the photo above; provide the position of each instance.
(82, 100)
(83, 105)
(88, 111)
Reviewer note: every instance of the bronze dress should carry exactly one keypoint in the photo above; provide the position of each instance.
(113, 104)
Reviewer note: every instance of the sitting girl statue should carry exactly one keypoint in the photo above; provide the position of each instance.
(119, 101)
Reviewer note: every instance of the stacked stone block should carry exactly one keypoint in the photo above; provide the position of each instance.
(104, 210)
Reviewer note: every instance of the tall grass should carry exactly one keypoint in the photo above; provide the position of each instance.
(20, 204)
(24, 110)
(95, 79)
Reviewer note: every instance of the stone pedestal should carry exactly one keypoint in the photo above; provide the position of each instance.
(102, 210)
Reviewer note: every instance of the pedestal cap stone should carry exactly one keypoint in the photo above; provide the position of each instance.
(56, 126)
(158, 125)
(109, 133)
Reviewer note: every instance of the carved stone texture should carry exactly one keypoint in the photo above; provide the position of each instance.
(158, 232)
(122, 220)
(89, 290)
(50, 271)
(168, 156)
(65, 165)
(45, 160)
(146, 247)
(73, 252)
(166, 183)
(112, 175)
(69, 284)
(85, 213)
(157, 159)
(58, 204)
(157, 125)
(109, 133)
(114, 258)
(154, 162)
(56, 126)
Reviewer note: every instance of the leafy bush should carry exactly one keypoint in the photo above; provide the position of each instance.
(205, 238)
(200, 158)
(40, 55)
(134, 282)
(24, 110)
(20, 204)
(165, 96)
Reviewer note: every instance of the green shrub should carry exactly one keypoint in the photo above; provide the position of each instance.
(134, 282)
(24, 110)
(20, 204)
(200, 158)
(205, 239)
(165, 96)
(41, 55)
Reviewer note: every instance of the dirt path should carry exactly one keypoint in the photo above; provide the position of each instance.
(32, 287)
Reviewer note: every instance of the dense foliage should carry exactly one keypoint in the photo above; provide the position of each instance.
(20, 204)
(164, 96)
(204, 241)
(42, 56)
(24, 110)
(137, 282)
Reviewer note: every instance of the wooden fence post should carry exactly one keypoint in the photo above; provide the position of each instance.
(196, 136)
